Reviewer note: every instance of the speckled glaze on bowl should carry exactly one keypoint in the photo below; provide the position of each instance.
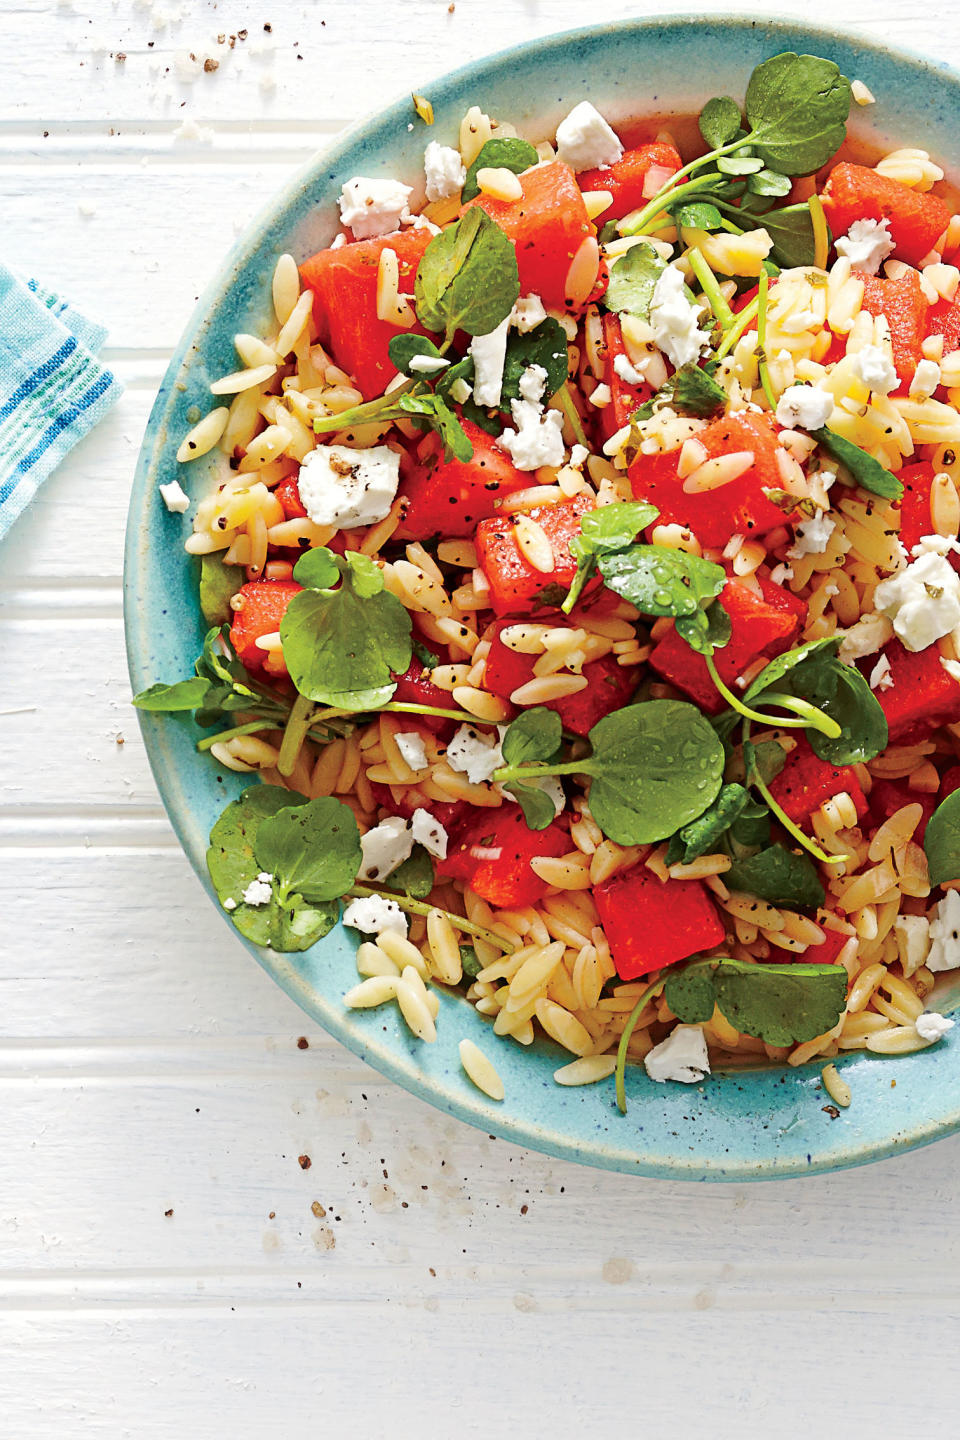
(757, 1124)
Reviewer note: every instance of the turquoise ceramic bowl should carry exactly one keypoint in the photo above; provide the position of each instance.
(757, 1124)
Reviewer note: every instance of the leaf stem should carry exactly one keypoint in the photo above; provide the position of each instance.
(670, 194)
(507, 773)
(763, 288)
(421, 907)
(362, 414)
(821, 235)
(744, 710)
(651, 992)
(743, 320)
(813, 716)
(298, 723)
(565, 400)
(249, 729)
(710, 288)
(754, 778)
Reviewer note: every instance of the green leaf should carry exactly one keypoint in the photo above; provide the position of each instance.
(941, 841)
(768, 758)
(497, 154)
(868, 473)
(689, 391)
(706, 630)
(791, 230)
(218, 583)
(751, 829)
(342, 646)
(754, 204)
(538, 808)
(406, 347)
(779, 1004)
(436, 415)
(173, 699)
(534, 735)
(797, 106)
(815, 674)
(311, 850)
(769, 183)
(779, 876)
(471, 965)
(467, 278)
(773, 675)
(415, 877)
(545, 345)
(659, 581)
(602, 531)
(655, 767)
(698, 215)
(633, 279)
(427, 659)
(702, 836)
(740, 164)
(719, 121)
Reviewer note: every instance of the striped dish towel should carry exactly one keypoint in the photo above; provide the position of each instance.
(53, 389)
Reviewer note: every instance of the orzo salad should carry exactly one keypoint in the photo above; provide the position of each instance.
(583, 581)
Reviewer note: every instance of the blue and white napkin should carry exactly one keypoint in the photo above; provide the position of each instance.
(53, 389)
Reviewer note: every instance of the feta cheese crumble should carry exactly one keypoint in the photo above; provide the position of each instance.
(804, 407)
(230, 904)
(374, 914)
(585, 140)
(445, 171)
(881, 676)
(533, 382)
(427, 364)
(866, 244)
(385, 847)
(348, 488)
(944, 953)
(174, 497)
(538, 437)
(258, 892)
(411, 747)
(681, 1057)
(674, 320)
(373, 207)
(875, 368)
(488, 353)
(460, 391)
(923, 601)
(527, 314)
(812, 537)
(429, 833)
(925, 380)
(627, 373)
(474, 754)
(869, 635)
(931, 1026)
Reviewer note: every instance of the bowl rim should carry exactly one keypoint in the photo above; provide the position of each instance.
(470, 1105)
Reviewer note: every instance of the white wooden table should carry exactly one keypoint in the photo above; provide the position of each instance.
(167, 1268)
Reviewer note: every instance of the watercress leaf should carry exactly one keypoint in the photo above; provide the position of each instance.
(499, 154)
(689, 391)
(538, 808)
(342, 646)
(719, 121)
(864, 470)
(611, 527)
(756, 204)
(779, 876)
(797, 106)
(841, 692)
(941, 841)
(790, 229)
(534, 735)
(751, 829)
(767, 758)
(467, 278)
(769, 183)
(427, 659)
(415, 877)
(655, 767)
(318, 569)
(311, 850)
(432, 410)
(487, 420)
(706, 630)
(633, 279)
(659, 581)
(740, 164)
(774, 675)
(218, 582)
(471, 964)
(702, 835)
(779, 1004)
(405, 347)
(171, 699)
(698, 215)
(545, 345)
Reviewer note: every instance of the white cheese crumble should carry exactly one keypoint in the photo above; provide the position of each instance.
(488, 353)
(538, 438)
(230, 904)
(923, 601)
(952, 668)
(532, 384)
(578, 454)
(347, 488)
(385, 847)
(804, 407)
(869, 635)
(945, 934)
(934, 545)
(875, 368)
(812, 537)
(931, 1026)
(527, 314)
(174, 497)
(460, 391)
(374, 914)
(429, 833)
(881, 676)
(373, 207)
(444, 169)
(427, 364)
(626, 371)
(412, 751)
(258, 892)
(866, 244)
(682, 1057)
(674, 318)
(585, 140)
(913, 941)
(780, 574)
(474, 754)
(925, 380)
